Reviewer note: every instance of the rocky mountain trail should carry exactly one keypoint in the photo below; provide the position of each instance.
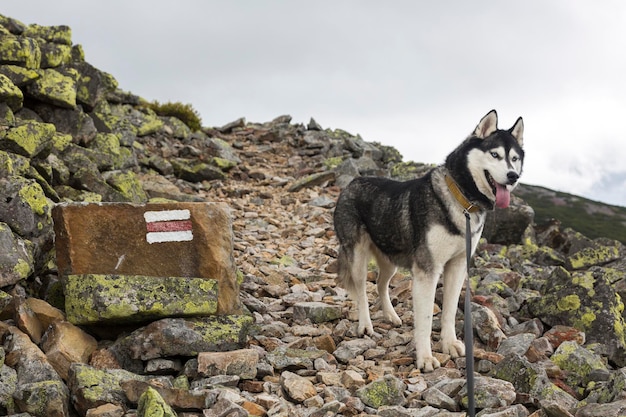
(548, 309)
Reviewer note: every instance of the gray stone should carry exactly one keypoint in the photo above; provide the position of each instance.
(316, 312)
(516, 345)
(349, 349)
(16, 257)
(184, 337)
(297, 388)
(578, 362)
(387, 390)
(242, 363)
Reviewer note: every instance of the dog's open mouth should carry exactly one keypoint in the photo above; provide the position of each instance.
(503, 195)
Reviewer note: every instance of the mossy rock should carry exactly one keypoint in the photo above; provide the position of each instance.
(598, 254)
(185, 337)
(93, 298)
(578, 362)
(43, 398)
(151, 404)
(54, 88)
(92, 84)
(19, 76)
(92, 387)
(127, 184)
(387, 390)
(10, 93)
(403, 171)
(192, 171)
(585, 300)
(29, 139)
(16, 257)
(20, 51)
(57, 34)
(54, 55)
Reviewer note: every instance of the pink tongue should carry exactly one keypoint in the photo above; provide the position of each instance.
(503, 196)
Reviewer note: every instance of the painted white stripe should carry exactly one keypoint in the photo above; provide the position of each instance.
(166, 215)
(158, 237)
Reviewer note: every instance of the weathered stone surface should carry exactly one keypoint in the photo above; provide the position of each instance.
(60, 34)
(92, 85)
(579, 363)
(113, 239)
(312, 180)
(92, 387)
(242, 363)
(10, 93)
(46, 313)
(54, 54)
(65, 344)
(152, 404)
(196, 171)
(29, 138)
(388, 390)
(225, 407)
(54, 88)
(16, 257)
(94, 298)
(26, 210)
(587, 301)
(297, 388)
(19, 76)
(106, 410)
(20, 51)
(27, 321)
(43, 398)
(26, 358)
(316, 312)
(184, 337)
(508, 226)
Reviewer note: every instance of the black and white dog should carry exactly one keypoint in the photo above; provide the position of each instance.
(420, 225)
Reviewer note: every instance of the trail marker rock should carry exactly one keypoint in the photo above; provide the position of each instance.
(123, 241)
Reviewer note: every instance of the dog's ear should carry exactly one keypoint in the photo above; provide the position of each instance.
(487, 125)
(518, 131)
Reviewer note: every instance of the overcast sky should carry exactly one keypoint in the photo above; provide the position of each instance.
(416, 75)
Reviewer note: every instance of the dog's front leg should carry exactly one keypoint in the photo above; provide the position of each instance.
(453, 278)
(424, 286)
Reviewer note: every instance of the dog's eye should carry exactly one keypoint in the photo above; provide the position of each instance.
(515, 159)
(495, 155)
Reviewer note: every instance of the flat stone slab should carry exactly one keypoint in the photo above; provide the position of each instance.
(94, 298)
(183, 239)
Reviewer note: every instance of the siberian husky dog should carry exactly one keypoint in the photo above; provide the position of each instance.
(420, 225)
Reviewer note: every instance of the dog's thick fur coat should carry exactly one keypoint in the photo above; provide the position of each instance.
(420, 225)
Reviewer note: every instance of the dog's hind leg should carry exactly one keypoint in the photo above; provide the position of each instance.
(386, 271)
(453, 278)
(359, 279)
(352, 276)
(424, 287)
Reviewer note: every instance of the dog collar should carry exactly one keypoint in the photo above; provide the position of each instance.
(458, 195)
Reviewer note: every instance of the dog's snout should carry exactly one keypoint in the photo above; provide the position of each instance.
(512, 177)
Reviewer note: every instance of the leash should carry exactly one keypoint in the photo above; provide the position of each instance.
(469, 332)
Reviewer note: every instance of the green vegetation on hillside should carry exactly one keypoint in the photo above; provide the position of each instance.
(184, 112)
(591, 218)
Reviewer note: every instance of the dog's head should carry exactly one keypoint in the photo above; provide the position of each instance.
(497, 163)
(494, 159)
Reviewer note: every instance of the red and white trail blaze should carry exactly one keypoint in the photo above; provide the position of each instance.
(168, 226)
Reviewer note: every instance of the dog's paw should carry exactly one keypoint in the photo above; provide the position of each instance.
(427, 363)
(455, 348)
(365, 328)
(393, 317)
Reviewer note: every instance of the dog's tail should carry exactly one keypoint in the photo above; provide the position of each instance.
(344, 271)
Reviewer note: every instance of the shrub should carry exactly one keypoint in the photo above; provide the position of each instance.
(184, 112)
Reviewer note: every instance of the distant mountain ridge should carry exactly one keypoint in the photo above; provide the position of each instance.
(591, 218)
